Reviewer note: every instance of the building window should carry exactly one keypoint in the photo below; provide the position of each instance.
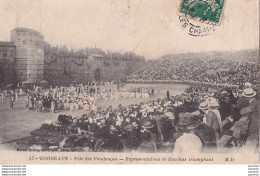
(24, 42)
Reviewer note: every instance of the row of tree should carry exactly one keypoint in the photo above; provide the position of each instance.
(64, 51)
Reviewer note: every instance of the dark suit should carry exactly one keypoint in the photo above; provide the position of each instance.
(212, 121)
(207, 137)
(254, 121)
(241, 103)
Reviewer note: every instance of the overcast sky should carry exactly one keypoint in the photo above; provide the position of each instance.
(147, 27)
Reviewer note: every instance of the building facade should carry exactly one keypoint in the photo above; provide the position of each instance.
(29, 54)
(94, 67)
(23, 60)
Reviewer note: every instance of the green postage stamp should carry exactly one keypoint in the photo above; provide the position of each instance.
(204, 10)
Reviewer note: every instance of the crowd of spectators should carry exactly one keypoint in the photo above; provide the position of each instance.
(192, 121)
(217, 71)
(195, 120)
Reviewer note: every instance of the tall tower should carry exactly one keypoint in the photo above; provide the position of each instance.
(29, 54)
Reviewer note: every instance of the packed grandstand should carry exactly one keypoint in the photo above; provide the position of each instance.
(216, 69)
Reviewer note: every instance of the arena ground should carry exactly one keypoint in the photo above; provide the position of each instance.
(20, 122)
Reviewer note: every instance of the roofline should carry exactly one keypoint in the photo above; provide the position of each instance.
(26, 30)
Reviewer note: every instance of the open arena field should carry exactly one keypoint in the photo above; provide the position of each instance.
(20, 122)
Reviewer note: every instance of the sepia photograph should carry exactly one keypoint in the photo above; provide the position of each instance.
(139, 79)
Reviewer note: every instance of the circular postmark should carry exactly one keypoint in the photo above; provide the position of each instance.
(196, 28)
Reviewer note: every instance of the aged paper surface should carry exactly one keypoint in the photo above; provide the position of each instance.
(129, 82)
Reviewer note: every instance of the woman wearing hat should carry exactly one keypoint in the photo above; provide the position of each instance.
(193, 135)
(186, 140)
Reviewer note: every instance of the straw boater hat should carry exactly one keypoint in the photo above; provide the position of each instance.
(203, 106)
(248, 92)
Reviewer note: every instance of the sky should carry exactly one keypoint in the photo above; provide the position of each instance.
(147, 27)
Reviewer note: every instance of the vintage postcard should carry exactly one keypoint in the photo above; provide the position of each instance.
(129, 82)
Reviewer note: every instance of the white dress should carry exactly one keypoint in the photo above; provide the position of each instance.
(188, 143)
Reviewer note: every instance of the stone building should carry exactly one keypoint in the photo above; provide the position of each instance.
(65, 69)
(29, 54)
(23, 60)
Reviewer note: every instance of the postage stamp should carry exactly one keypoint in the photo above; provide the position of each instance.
(203, 10)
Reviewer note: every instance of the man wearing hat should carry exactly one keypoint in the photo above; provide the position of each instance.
(252, 112)
(214, 105)
(242, 102)
(211, 118)
(148, 127)
(248, 124)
